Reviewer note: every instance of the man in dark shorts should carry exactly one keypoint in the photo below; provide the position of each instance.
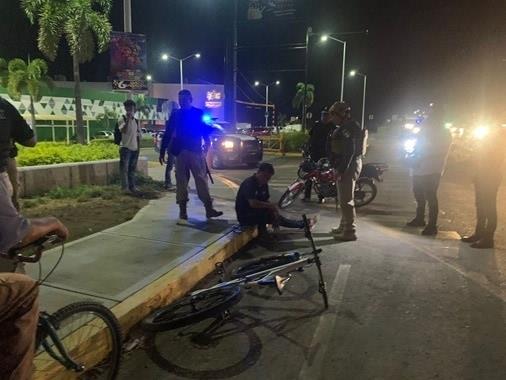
(253, 207)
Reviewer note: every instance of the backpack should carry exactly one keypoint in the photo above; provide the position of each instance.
(117, 134)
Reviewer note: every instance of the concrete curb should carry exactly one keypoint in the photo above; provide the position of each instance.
(162, 291)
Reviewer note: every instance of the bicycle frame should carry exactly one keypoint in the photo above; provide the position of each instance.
(45, 326)
(281, 273)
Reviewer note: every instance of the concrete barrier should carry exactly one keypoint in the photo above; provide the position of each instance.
(35, 180)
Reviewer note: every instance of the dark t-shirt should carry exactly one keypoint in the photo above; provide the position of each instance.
(318, 137)
(187, 128)
(13, 128)
(346, 143)
(249, 189)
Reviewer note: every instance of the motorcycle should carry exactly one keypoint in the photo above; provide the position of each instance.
(323, 178)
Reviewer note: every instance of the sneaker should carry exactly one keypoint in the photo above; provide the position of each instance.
(183, 216)
(336, 230)
(470, 239)
(416, 223)
(430, 231)
(483, 244)
(347, 236)
(212, 213)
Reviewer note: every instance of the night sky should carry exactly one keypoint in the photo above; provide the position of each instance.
(447, 51)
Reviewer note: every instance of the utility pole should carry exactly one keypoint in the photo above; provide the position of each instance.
(234, 64)
(127, 26)
(267, 106)
(309, 31)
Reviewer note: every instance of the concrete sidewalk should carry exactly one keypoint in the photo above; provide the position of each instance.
(112, 265)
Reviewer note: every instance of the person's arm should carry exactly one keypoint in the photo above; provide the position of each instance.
(169, 129)
(255, 203)
(21, 131)
(41, 227)
(349, 153)
(122, 124)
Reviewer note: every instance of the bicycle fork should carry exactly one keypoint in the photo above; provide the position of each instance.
(46, 325)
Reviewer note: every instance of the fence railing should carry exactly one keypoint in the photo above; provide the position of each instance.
(273, 143)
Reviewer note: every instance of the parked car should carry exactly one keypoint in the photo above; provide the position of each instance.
(104, 135)
(230, 149)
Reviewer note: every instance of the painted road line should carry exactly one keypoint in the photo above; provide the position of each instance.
(230, 184)
(313, 365)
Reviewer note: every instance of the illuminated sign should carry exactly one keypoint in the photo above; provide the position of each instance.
(214, 99)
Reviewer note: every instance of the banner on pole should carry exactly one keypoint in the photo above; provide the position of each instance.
(128, 61)
(265, 9)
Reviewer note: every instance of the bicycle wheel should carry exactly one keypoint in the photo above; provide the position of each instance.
(365, 192)
(289, 197)
(84, 321)
(264, 264)
(193, 309)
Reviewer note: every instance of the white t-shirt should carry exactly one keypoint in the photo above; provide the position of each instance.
(130, 134)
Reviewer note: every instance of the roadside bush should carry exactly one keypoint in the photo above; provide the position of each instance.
(293, 141)
(47, 153)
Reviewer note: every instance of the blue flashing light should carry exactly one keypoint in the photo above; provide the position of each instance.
(207, 119)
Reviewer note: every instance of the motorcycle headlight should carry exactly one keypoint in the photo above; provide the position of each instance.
(481, 132)
(228, 144)
(409, 146)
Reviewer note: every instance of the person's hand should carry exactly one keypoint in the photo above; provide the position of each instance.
(162, 160)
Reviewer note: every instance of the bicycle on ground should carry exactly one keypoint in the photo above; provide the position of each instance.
(215, 302)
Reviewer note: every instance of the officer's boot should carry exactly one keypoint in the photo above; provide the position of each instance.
(183, 214)
(211, 212)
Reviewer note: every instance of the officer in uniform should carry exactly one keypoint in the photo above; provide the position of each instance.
(489, 166)
(347, 145)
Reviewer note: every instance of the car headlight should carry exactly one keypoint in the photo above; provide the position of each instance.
(227, 144)
(479, 133)
(416, 130)
(409, 126)
(409, 146)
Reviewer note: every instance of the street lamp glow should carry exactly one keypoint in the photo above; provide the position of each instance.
(197, 55)
(278, 83)
(324, 38)
(149, 77)
(165, 57)
(353, 73)
(257, 83)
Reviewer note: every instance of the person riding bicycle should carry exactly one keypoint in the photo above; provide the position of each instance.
(18, 293)
(253, 207)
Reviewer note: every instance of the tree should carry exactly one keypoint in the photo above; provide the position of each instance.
(4, 73)
(142, 106)
(85, 26)
(28, 79)
(298, 99)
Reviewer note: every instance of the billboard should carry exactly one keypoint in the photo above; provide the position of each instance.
(128, 61)
(265, 9)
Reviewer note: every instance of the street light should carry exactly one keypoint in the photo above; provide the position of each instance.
(354, 73)
(257, 83)
(325, 38)
(149, 77)
(166, 57)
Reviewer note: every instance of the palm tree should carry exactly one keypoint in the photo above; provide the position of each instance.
(298, 99)
(85, 26)
(28, 78)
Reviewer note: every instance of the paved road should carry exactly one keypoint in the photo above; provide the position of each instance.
(402, 306)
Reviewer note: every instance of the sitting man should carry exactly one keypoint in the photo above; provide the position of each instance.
(18, 293)
(253, 207)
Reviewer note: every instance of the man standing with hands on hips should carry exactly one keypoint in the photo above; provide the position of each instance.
(347, 145)
(183, 138)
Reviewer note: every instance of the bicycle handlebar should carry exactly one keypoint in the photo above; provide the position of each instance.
(34, 249)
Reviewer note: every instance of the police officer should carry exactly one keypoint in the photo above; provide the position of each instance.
(347, 145)
(318, 138)
(489, 165)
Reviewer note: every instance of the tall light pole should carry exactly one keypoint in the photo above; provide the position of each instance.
(127, 16)
(166, 57)
(325, 38)
(257, 83)
(309, 33)
(354, 73)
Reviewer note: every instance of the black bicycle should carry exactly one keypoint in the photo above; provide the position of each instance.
(215, 302)
(63, 338)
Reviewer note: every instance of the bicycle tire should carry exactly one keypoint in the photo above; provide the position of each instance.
(373, 190)
(263, 264)
(187, 310)
(289, 197)
(97, 310)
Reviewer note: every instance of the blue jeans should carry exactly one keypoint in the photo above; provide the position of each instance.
(127, 166)
(261, 217)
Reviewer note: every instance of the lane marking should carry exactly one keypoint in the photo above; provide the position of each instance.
(230, 184)
(314, 363)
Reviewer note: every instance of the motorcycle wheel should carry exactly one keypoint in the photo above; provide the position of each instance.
(289, 197)
(365, 192)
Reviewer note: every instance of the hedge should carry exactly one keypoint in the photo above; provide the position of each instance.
(47, 153)
(293, 141)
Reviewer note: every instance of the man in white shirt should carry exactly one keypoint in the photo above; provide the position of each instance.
(129, 147)
(432, 150)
